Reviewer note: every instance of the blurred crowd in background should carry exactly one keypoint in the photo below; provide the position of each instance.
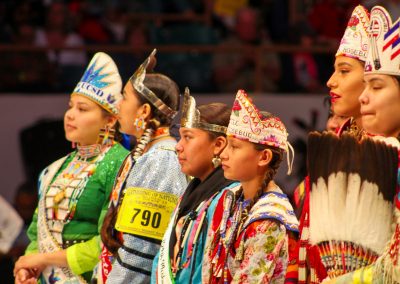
(27, 26)
(89, 23)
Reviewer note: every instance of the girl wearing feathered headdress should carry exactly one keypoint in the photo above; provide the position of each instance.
(345, 84)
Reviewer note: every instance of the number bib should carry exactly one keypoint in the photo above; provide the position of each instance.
(145, 212)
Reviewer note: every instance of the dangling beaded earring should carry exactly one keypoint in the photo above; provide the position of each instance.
(73, 145)
(216, 161)
(139, 123)
(106, 136)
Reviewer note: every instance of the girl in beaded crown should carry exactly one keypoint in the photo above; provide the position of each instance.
(74, 191)
(380, 110)
(253, 224)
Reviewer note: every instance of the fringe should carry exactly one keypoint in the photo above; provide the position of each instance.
(386, 268)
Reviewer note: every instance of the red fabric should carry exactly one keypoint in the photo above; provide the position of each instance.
(106, 266)
(313, 259)
(397, 197)
(219, 210)
(292, 269)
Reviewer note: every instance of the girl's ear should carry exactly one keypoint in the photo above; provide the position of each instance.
(220, 144)
(111, 120)
(265, 157)
(144, 111)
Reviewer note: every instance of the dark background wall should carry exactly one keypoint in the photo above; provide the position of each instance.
(38, 118)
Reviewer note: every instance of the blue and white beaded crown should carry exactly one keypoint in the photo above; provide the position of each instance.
(101, 83)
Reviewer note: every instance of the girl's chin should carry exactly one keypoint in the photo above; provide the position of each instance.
(227, 175)
(69, 139)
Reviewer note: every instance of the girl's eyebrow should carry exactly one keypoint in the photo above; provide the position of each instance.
(341, 64)
(81, 103)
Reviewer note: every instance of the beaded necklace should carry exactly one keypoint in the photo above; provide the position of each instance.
(194, 220)
(72, 182)
(240, 213)
(235, 213)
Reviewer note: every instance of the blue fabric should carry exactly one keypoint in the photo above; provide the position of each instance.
(126, 141)
(157, 169)
(195, 266)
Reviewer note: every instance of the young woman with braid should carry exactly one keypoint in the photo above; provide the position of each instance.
(202, 140)
(253, 224)
(149, 182)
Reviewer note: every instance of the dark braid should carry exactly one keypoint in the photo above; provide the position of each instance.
(167, 91)
(273, 166)
(277, 157)
(107, 233)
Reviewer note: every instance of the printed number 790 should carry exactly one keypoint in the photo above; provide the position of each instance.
(155, 218)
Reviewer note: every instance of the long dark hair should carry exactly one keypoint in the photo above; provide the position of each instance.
(215, 113)
(167, 91)
(273, 166)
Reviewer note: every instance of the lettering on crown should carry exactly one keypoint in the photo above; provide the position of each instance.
(111, 98)
(234, 122)
(240, 132)
(354, 52)
(90, 88)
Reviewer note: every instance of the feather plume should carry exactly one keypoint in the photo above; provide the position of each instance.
(353, 184)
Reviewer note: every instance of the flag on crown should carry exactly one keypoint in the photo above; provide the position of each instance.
(354, 42)
(384, 51)
(101, 82)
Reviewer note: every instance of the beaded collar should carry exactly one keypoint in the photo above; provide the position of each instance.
(88, 151)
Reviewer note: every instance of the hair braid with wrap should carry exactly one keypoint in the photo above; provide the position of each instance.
(273, 166)
(167, 91)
